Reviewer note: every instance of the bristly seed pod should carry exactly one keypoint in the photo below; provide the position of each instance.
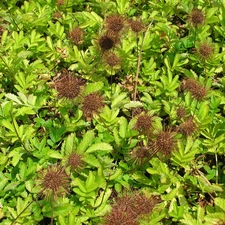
(57, 15)
(68, 86)
(92, 104)
(196, 90)
(76, 35)
(144, 123)
(165, 142)
(2, 29)
(136, 25)
(188, 127)
(181, 112)
(141, 154)
(115, 23)
(128, 209)
(205, 50)
(75, 161)
(196, 17)
(107, 42)
(111, 59)
(54, 181)
(60, 2)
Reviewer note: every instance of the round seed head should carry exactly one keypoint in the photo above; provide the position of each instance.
(68, 86)
(92, 104)
(57, 15)
(115, 23)
(143, 123)
(75, 161)
(60, 2)
(111, 59)
(188, 127)
(165, 142)
(107, 42)
(129, 208)
(197, 91)
(54, 181)
(196, 17)
(205, 51)
(181, 112)
(141, 154)
(136, 25)
(2, 29)
(76, 35)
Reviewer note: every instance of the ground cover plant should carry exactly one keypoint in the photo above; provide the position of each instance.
(112, 112)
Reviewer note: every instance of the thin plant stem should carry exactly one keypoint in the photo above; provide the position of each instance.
(217, 167)
(15, 23)
(111, 82)
(82, 55)
(205, 67)
(6, 64)
(95, 68)
(195, 36)
(139, 61)
(12, 18)
(67, 2)
(107, 183)
(52, 208)
(21, 212)
(110, 131)
(17, 134)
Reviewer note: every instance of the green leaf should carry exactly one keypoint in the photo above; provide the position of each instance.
(116, 174)
(220, 202)
(93, 87)
(91, 183)
(99, 147)
(62, 209)
(14, 98)
(25, 111)
(62, 220)
(133, 104)
(176, 60)
(81, 185)
(86, 141)
(188, 220)
(55, 155)
(91, 160)
(123, 127)
(8, 109)
(119, 100)
(69, 146)
(56, 133)
(49, 42)
(101, 200)
(8, 125)
(123, 6)
(186, 152)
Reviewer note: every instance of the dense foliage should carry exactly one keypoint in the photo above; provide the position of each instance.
(112, 112)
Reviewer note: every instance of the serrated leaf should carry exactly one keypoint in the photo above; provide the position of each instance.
(133, 104)
(55, 155)
(14, 98)
(87, 140)
(91, 160)
(69, 143)
(8, 125)
(93, 87)
(99, 147)
(81, 185)
(220, 202)
(91, 184)
(123, 127)
(117, 101)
